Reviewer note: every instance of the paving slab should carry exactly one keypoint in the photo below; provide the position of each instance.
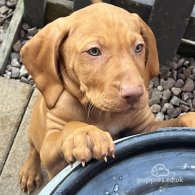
(9, 178)
(14, 97)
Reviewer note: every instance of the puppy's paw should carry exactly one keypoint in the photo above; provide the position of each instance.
(187, 120)
(30, 177)
(86, 143)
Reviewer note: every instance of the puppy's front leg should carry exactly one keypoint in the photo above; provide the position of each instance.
(185, 120)
(77, 141)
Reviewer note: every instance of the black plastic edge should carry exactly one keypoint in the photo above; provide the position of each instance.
(166, 138)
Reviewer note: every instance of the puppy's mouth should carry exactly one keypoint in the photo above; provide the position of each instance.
(123, 110)
(117, 106)
(114, 102)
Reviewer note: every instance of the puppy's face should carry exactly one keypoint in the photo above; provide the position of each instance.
(102, 54)
(106, 56)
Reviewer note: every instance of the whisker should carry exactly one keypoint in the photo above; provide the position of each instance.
(90, 110)
(101, 107)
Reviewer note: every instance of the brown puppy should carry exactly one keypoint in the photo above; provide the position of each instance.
(93, 69)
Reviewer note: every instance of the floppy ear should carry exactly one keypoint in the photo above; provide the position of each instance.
(152, 62)
(40, 56)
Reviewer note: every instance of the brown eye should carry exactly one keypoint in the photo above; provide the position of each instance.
(139, 48)
(94, 51)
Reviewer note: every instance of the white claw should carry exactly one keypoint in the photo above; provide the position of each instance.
(105, 159)
(113, 156)
(83, 164)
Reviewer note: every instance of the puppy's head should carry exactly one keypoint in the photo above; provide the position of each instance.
(101, 54)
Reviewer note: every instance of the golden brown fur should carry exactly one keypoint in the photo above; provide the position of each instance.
(87, 101)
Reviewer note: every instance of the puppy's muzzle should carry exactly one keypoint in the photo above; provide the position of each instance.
(131, 94)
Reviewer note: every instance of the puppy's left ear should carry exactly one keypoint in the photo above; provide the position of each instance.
(152, 61)
(41, 58)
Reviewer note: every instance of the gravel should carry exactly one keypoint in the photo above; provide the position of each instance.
(176, 94)
(7, 8)
(15, 69)
(15, 72)
(17, 46)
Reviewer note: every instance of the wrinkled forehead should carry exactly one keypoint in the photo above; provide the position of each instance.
(101, 18)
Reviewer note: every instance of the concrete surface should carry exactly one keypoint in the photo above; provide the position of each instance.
(14, 98)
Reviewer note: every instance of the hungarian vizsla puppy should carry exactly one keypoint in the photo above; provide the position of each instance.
(93, 70)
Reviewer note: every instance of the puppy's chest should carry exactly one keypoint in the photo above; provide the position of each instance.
(113, 124)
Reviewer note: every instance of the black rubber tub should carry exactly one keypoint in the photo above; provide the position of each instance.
(161, 162)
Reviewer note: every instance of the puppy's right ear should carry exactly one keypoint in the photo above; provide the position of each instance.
(152, 62)
(40, 56)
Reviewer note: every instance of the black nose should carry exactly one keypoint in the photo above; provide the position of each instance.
(131, 94)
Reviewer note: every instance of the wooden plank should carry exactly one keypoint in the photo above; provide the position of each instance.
(34, 12)
(141, 9)
(78, 4)
(57, 8)
(81, 4)
(190, 30)
(10, 36)
(187, 48)
(168, 21)
(146, 2)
